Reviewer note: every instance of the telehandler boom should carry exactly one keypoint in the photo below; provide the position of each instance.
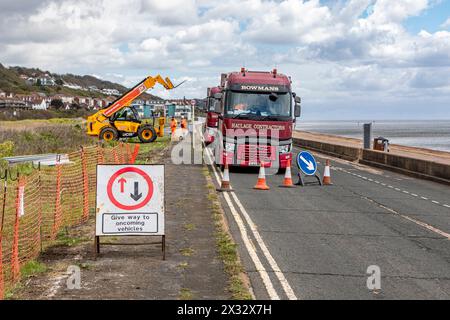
(119, 120)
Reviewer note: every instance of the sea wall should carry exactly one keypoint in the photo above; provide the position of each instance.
(335, 150)
(424, 169)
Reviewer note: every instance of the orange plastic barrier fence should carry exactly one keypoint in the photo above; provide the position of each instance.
(35, 208)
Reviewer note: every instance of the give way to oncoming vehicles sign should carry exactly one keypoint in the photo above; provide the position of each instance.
(130, 200)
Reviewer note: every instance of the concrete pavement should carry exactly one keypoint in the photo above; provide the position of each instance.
(319, 241)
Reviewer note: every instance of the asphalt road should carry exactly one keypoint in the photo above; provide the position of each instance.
(317, 242)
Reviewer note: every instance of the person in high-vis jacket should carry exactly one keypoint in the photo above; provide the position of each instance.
(173, 125)
(184, 124)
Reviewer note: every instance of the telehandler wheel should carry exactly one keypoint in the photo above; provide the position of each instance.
(109, 134)
(147, 134)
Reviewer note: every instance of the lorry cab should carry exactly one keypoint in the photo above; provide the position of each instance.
(256, 118)
(212, 114)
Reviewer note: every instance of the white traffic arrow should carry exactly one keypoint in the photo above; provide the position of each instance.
(309, 164)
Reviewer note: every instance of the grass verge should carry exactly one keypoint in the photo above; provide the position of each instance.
(186, 294)
(31, 268)
(28, 270)
(147, 150)
(65, 239)
(226, 247)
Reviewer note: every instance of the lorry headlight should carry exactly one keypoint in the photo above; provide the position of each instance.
(285, 149)
(229, 146)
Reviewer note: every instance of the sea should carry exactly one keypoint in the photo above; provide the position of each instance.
(431, 134)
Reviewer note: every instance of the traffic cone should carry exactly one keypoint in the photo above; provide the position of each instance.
(326, 181)
(225, 186)
(287, 182)
(261, 184)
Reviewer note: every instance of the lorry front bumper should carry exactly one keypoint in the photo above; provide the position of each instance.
(235, 160)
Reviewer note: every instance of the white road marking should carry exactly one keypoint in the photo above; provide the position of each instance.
(273, 264)
(427, 226)
(420, 223)
(391, 187)
(251, 249)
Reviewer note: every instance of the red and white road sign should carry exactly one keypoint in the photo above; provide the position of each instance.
(130, 200)
(141, 183)
(193, 103)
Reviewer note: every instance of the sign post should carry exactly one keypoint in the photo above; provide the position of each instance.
(193, 122)
(130, 202)
(307, 165)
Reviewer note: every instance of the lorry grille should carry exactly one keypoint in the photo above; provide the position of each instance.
(256, 153)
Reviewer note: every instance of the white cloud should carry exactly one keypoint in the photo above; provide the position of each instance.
(337, 52)
(446, 24)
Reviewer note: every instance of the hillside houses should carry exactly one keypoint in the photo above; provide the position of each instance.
(64, 101)
(111, 92)
(39, 104)
(48, 80)
(72, 86)
(45, 80)
(39, 101)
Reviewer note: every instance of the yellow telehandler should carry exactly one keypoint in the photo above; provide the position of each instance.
(120, 120)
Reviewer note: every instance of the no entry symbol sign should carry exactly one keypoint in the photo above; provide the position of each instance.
(130, 188)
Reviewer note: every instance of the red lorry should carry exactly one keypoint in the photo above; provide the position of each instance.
(212, 116)
(257, 114)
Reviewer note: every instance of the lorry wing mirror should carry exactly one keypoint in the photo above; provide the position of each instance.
(218, 96)
(298, 110)
(298, 107)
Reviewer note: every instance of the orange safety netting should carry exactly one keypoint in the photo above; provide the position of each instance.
(35, 208)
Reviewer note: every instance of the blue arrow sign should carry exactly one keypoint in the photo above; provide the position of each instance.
(307, 163)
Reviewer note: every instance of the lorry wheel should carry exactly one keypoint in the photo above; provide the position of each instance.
(147, 134)
(109, 134)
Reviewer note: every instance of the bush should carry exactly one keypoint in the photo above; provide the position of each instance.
(6, 149)
(8, 114)
(53, 138)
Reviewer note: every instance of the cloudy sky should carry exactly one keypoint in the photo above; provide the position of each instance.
(355, 59)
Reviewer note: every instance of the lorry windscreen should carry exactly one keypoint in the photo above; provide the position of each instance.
(212, 104)
(258, 104)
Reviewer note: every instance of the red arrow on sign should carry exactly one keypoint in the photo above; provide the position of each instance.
(122, 184)
(144, 175)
